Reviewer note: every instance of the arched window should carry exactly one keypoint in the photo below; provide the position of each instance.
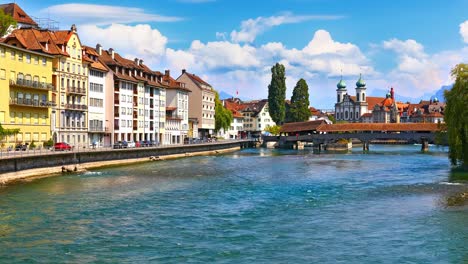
(338, 98)
(357, 97)
(363, 97)
(346, 114)
(357, 115)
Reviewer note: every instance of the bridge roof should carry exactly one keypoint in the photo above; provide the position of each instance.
(301, 126)
(390, 127)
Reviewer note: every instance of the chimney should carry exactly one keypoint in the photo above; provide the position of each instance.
(136, 61)
(140, 62)
(167, 73)
(99, 49)
(392, 94)
(111, 51)
(47, 46)
(183, 71)
(73, 28)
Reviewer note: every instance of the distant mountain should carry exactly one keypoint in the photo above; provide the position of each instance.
(440, 93)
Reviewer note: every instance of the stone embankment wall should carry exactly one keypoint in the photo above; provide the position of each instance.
(15, 164)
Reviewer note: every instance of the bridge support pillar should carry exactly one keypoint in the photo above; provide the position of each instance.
(365, 146)
(424, 144)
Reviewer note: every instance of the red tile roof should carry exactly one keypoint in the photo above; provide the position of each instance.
(308, 126)
(36, 40)
(390, 127)
(18, 14)
(172, 83)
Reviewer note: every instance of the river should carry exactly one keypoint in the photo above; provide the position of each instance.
(250, 206)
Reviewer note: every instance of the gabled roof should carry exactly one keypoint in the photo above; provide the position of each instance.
(308, 126)
(234, 108)
(197, 80)
(95, 64)
(37, 40)
(18, 14)
(389, 127)
(172, 83)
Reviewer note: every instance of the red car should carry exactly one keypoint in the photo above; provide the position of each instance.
(62, 146)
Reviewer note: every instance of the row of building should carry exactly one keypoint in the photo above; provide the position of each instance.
(367, 109)
(57, 88)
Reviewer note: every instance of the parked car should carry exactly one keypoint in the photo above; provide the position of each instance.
(131, 144)
(22, 147)
(120, 144)
(62, 146)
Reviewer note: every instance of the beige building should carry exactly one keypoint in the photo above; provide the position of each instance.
(201, 103)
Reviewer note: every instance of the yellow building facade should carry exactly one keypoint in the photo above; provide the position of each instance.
(26, 88)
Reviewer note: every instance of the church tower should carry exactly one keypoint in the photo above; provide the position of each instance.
(340, 91)
(361, 97)
(360, 90)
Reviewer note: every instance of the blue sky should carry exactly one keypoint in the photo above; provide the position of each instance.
(410, 45)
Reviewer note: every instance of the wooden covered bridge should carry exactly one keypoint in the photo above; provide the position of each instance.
(320, 133)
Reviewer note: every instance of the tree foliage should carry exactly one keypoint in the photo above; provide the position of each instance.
(274, 130)
(5, 22)
(223, 117)
(7, 132)
(456, 116)
(299, 110)
(277, 93)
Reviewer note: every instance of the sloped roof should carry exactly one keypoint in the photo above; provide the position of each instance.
(390, 127)
(37, 40)
(18, 14)
(197, 80)
(173, 84)
(308, 126)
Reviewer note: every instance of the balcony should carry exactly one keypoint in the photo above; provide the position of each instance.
(76, 107)
(31, 103)
(76, 90)
(22, 83)
(99, 129)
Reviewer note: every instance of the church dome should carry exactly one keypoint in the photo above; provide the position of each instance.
(341, 85)
(436, 100)
(360, 83)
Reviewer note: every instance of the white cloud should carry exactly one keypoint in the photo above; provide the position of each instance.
(140, 40)
(408, 47)
(419, 73)
(103, 14)
(464, 31)
(252, 27)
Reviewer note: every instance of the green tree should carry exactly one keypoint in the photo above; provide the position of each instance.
(7, 132)
(456, 117)
(223, 117)
(277, 93)
(274, 130)
(299, 110)
(5, 22)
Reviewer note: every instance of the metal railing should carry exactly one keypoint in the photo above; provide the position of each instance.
(32, 84)
(31, 102)
(76, 90)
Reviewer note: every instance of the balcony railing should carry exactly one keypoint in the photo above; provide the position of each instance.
(31, 102)
(76, 107)
(32, 84)
(76, 90)
(98, 129)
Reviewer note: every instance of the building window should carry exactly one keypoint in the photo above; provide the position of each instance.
(2, 52)
(20, 56)
(2, 74)
(363, 97)
(44, 61)
(346, 114)
(13, 55)
(357, 96)
(36, 60)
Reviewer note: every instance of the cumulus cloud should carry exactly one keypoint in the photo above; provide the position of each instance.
(251, 28)
(139, 40)
(418, 73)
(464, 31)
(104, 14)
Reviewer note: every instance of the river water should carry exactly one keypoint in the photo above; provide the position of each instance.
(251, 206)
